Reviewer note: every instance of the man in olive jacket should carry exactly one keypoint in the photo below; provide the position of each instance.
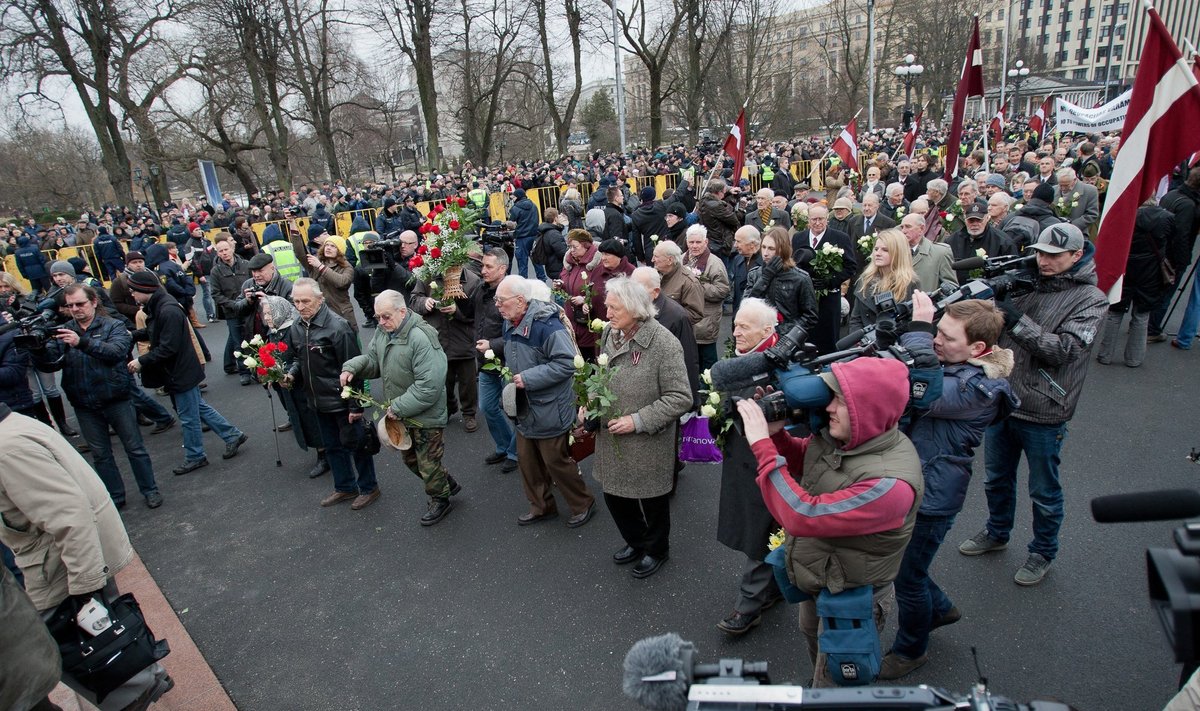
(406, 354)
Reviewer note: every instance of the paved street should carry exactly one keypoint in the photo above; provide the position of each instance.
(299, 607)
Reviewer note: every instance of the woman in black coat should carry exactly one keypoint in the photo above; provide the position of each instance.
(1143, 286)
(782, 284)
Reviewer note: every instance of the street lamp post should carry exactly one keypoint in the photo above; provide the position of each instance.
(1017, 74)
(137, 178)
(908, 73)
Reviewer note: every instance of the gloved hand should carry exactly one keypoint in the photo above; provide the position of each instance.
(771, 268)
(1012, 314)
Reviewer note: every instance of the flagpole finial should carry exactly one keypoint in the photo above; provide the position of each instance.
(1149, 4)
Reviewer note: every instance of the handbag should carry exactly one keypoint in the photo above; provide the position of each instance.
(849, 638)
(101, 664)
(583, 447)
(1164, 266)
(696, 443)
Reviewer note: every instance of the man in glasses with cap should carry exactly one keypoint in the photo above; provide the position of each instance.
(1050, 331)
(977, 234)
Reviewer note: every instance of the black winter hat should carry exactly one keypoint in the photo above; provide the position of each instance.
(145, 282)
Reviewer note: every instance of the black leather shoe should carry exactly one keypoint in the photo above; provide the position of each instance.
(531, 518)
(455, 487)
(626, 555)
(154, 500)
(438, 509)
(163, 427)
(231, 449)
(581, 518)
(495, 458)
(144, 421)
(738, 623)
(648, 566)
(319, 468)
(190, 466)
(509, 465)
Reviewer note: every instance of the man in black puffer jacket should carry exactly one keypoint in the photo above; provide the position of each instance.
(649, 219)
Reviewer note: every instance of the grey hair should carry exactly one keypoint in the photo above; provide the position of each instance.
(763, 313)
(938, 185)
(1066, 173)
(672, 250)
(749, 233)
(633, 296)
(310, 284)
(647, 277)
(499, 255)
(1002, 198)
(538, 291)
(696, 230)
(517, 286)
(716, 185)
(765, 193)
(389, 296)
(893, 188)
(874, 196)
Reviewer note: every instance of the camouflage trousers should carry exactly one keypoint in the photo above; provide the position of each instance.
(424, 458)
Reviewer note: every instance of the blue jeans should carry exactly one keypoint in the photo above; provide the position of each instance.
(232, 342)
(1002, 455)
(521, 250)
(343, 462)
(148, 406)
(919, 600)
(490, 387)
(206, 300)
(94, 426)
(1191, 317)
(192, 409)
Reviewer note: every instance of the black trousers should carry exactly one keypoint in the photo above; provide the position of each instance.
(645, 524)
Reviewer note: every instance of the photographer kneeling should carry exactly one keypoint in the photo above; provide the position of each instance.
(847, 496)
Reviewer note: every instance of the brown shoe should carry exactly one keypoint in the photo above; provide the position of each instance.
(470, 424)
(337, 497)
(364, 500)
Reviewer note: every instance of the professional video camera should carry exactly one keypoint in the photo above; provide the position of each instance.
(1004, 275)
(1173, 574)
(661, 673)
(496, 234)
(374, 257)
(37, 327)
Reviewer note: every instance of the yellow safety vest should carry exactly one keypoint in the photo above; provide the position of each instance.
(285, 259)
(767, 174)
(478, 196)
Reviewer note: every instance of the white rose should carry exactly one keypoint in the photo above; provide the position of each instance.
(257, 340)
(250, 363)
(714, 398)
(706, 376)
(237, 354)
(708, 411)
(245, 344)
(653, 238)
(602, 359)
(346, 393)
(489, 354)
(598, 325)
(584, 276)
(579, 363)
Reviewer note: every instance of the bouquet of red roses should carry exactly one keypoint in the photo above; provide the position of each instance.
(264, 359)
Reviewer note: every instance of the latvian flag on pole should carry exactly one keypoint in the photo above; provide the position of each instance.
(910, 138)
(969, 84)
(846, 145)
(1159, 133)
(997, 126)
(1041, 117)
(735, 144)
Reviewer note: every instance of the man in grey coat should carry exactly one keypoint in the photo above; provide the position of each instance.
(541, 355)
(1083, 199)
(931, 260)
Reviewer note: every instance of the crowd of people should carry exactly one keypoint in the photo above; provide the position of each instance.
(633, 281)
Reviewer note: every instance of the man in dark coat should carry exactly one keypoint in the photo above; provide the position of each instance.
(746, 242)
(1142, 287)
(1184, 203)
(31, 263)
(525, 216)
(228, 274)
(614, 214)
(650, 218)
(172, 364)
(454, 320)
(718, 218)
(976, 235)
(805, 246)
(870, 221)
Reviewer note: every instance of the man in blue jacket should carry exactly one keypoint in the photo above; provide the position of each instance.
(525, 215)
(32, 264)
(975, 395)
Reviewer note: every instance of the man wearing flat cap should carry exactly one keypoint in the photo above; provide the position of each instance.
(264, 279)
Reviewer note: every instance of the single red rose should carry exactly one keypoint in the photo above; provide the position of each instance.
(454, 224)
(438, 209)
(269, 360)
(942, 213)
(435, 229)
(261, 371)
(462, 202)
(416, 261)
(283, 348)
(435, 253)
(425, 228)
(432, 214)
(423, 249)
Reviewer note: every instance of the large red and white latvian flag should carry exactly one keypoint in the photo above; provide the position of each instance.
(1159, 132)
(910, 137)
(969, 84)
(846, 145)
(997, 126)
(735, 145)
(1041, 117)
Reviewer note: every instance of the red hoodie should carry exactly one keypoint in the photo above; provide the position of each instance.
(876, 393)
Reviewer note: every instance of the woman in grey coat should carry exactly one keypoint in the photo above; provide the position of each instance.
(635, 451)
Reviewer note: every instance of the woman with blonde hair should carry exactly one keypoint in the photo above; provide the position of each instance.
(889, 270)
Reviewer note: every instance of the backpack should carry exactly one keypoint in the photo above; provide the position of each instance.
(540, 254)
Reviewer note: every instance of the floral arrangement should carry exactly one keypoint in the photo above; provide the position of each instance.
(593, 388)
(1063, 208)
(866, 245)
(719, 421)
(826, 263)
(800, 216)
(492, 363)
(776, 539)
(955, 212)
(261, 357)
(899, 213)
(559, 294)
(448, 236)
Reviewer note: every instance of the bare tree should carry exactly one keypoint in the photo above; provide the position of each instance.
(937, 32)
(650, 34)
(707, 26)
(54, 168)
(544, 75)
(750, 69)
(409, 23)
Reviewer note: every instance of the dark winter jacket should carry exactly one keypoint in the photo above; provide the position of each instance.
(489, 324)
(94, 372)
(993, 242)
(1184, 203)
(553, 248)
(320, 347)
(1143, 284)
(649, 219)
(250, 310)
(720, 220)
(14, 374)
(525, 214)
(226, 284)
(540, 350)
(790, 291)
(387, 223)
(172, 276)
(456, 331)
(30, 261)
(975, 395)
(1041, 212)
(172, 362)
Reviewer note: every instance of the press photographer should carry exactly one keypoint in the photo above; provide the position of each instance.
(1050, 330)
(382, 266)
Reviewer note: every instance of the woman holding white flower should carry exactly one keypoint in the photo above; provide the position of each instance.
(889, 270)
(635, 448)
(584, 300)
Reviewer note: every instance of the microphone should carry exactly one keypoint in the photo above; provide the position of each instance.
(742, 372)
(969, 263)
(1165, 505)
(850, 339)
(658, 670)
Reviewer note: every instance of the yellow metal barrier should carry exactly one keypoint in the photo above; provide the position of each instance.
(259, 227)
(85, 252)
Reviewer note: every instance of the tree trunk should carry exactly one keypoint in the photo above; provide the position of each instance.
(656, 119)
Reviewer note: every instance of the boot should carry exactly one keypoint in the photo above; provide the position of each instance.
(192, 318)
(38, 410)
(59, 413)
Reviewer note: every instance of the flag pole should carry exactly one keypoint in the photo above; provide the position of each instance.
(830, 149)
(915, 125)
(713, 172)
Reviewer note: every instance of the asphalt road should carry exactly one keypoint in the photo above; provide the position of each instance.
(299, 607)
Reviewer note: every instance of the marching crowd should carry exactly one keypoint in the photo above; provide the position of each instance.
(638, 283)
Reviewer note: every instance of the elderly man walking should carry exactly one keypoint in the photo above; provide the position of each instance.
(540, 352)
(405, 352)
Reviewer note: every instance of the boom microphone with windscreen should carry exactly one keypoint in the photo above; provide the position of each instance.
(1166, 505)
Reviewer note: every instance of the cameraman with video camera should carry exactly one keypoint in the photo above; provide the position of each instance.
(847, 496)
(1050, 330)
